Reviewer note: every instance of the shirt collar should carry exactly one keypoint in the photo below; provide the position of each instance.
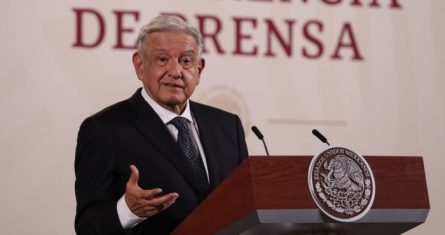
(165, 114)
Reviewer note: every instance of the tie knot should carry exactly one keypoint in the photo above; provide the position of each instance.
(180, 123)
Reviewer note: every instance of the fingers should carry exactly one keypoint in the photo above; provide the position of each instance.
(146, 203)
(150, 193)
(157, 201)
(153, 206)
(163, 201)
(134, 177)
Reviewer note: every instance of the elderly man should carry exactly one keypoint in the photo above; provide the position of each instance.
(143, 164)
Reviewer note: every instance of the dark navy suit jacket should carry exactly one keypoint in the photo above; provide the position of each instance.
(130, 132)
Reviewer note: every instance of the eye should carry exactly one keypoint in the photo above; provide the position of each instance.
(186, 61)
(162, 60)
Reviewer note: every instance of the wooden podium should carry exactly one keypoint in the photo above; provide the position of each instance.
(270, 195)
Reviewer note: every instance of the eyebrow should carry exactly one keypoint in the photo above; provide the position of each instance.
(184, 52)
(190, 52)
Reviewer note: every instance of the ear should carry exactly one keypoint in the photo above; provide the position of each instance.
(201, 65)
(137, 63)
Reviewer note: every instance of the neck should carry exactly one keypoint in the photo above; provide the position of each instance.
(172, 107)
(178, 109)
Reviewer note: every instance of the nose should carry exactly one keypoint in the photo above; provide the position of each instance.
(175, 69)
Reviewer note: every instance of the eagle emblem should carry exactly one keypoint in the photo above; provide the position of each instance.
(341, 183)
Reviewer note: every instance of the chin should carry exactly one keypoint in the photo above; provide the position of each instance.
(174, 101)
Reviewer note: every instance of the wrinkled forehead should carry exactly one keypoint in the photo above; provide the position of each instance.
(168, 41)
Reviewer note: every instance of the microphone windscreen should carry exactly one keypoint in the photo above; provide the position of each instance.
(257, 132)
(319, 135)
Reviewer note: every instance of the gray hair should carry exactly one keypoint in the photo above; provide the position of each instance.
(167, 23)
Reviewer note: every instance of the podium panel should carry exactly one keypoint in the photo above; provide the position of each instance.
(270, 195)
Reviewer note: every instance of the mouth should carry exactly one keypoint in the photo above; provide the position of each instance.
(173, 85)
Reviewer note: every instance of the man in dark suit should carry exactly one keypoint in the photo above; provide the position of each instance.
(143, 164)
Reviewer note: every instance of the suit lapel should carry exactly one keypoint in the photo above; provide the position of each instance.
(209, 141)
(155, 131)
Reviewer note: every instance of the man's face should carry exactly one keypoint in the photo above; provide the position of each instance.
(170, 68)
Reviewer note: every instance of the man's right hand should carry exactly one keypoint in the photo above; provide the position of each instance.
(146, 203)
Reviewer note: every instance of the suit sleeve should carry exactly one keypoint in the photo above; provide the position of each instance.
(96, 184)
(241, 141)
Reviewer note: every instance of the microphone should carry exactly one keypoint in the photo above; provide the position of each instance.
(320, 136)
(260, 136)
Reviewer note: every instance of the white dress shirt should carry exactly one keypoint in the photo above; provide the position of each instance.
(126, 217)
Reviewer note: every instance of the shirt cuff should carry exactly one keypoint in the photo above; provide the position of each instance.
(126, 217)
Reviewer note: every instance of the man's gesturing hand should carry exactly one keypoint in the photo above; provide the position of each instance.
(145, 203)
